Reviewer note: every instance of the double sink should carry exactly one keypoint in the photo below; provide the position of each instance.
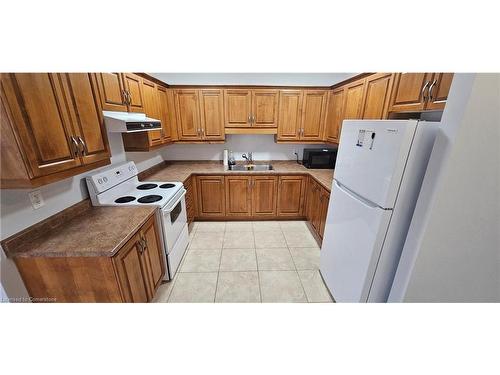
(251, 167)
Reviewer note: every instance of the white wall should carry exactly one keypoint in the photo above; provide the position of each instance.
(452, 253)
(278, 79)
(262, 147)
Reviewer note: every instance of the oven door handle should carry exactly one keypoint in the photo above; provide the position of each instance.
(172, 206)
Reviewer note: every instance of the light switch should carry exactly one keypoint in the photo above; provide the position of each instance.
(36, 199)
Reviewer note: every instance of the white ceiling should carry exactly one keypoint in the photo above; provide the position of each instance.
(275, 79)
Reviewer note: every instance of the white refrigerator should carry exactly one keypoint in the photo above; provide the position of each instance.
(378, 174)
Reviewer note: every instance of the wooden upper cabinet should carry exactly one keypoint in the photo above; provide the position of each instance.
(409, 92)
(41, 118)
(212, 114)
(354, 93)
(264, 191)
(131, 272)
(438, 91)
(335, 115)
(86, 114)
(152, 109)
(133, 86)
(313, 115)
(238, 108)
(291, 193)
(289, 115)
(238, 195)
(112, 90)
(211, 196)
(264, 108)
(377, 96)
(188, 114)
(165, 110)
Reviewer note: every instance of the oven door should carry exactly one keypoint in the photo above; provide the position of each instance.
(174, 220)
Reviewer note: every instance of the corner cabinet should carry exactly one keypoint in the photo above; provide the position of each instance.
(133, 274)
(51, 127)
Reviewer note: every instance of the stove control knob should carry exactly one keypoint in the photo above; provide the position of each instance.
(99, 181)
(105, 179)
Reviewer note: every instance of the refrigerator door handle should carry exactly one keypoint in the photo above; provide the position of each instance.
(353, 195)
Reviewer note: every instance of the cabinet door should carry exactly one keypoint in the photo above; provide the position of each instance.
(264, 190)
(152, 109)
(42, 121)
(313, 206)
(212, 114)
(438, 91)
(334, 115)
(410, 91)
(237, 108)
(211, 197)
(289, 117)
(265, 108)
(291, 190)
(238, 196)
(377, 96)
(188, 115)
(112, 91)
(313, 115)
(324, 199)
(131, 271)
(83, 98)
(153, 255)
(133, 85)
(164, 112)
(353, 106)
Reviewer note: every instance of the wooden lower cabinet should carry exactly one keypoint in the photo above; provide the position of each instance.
(190, 186)
(211, 196)
(317, 206)
(133, 274)
(238, 195)
(291, 194)
(264, 196)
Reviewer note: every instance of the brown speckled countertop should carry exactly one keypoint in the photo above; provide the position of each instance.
(79, 231)
(181, 170)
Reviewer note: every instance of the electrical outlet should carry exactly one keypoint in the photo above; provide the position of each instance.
(36, 199)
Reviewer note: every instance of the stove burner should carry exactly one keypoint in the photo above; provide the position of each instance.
(167, 186)
(125, 199)
(149, 198)
(146, 186)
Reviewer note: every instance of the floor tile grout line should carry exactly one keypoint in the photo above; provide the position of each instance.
(297, 272)
(257, 264)
(220, 258)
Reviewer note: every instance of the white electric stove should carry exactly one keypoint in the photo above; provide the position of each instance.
(119, 186)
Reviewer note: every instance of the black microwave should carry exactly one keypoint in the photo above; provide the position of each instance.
(319, 158)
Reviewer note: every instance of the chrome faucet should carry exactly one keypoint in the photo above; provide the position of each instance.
(248, 158)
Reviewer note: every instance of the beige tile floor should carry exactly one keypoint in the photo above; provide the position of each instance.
(273, 261)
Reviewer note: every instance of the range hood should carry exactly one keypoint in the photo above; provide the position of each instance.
(129, 122)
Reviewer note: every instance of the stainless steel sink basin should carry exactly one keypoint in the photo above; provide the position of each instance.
(251, 167)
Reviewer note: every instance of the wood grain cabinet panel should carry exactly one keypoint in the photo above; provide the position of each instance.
(265, 108)
(264, 191)
(153, 255)
(289, 115)
(151, 109)
(237, 107)
(212, 114)
(409, 92)
(164, 113)
(335, 115)
(313, 115)
(291, 193)
(188, 114)
(377, 96)
(438, 91)
(211, 196)
(238, 195)
(112, 90)
(133, 85)
(83, 95)
(354, 94)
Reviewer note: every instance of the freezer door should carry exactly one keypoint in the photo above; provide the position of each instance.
(353, 239)
(372, 157)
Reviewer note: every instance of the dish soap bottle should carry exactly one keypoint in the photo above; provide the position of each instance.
(231, 161)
